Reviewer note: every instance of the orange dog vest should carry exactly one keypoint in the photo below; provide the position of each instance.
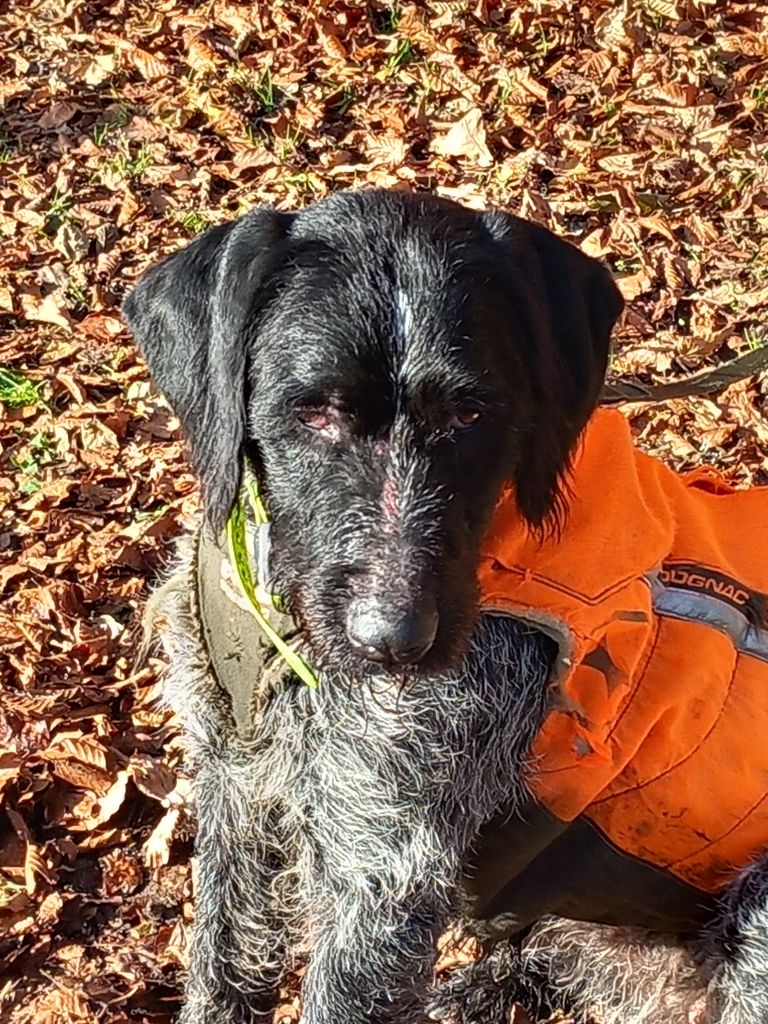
(656, 592)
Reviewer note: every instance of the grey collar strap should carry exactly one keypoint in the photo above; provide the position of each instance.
(242, 658)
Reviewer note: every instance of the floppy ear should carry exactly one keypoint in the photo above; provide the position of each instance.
(190, 315)
(566, 304)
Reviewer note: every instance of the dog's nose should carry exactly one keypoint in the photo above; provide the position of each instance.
(380, 634)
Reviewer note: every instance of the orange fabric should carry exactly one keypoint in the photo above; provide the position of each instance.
(659, 719)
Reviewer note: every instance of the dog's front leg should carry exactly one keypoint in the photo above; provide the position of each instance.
(238, 942)
(372, 963)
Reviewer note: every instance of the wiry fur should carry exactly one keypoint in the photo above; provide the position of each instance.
(340, 349)
(736, 951)
(343, 826)
(345, 821)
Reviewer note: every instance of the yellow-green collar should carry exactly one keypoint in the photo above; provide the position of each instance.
(255, 591)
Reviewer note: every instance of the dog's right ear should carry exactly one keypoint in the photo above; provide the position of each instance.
(567, 304)
(190, 315)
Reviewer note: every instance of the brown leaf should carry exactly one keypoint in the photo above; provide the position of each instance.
(101, 326)
(597, 64)
(73, 386)
(58, 114)
(675, 95)
(152, 777)
(87, 751)
(522, 79)
(49, 911)
(99, 442)
(121, 872)
(176, 946)
(100, 839)
(92, 811)
(60, 1004)
(674, 273)
(611, 28)
(149, 65)
(330, 42)
(597, 243)
(129, 207)
(634, 284)
(665, 8)
(47, 310)
(10, 572)
(620, 163)
(465, 138)
(71, 242)
(36, 869)
(99, 69)
(157, 847)
(201, 56)
(387, 148)
(82, 776)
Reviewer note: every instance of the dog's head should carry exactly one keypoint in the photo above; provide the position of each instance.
(388, 362)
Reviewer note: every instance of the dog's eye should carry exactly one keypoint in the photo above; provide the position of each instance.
(465, 418)
(323, 420)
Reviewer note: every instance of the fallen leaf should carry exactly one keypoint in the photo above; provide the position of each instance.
(46, 310)
(149, 65)
(157, 847)
(80, 749)
(81, 775)
(634, 284)
(129, 207)
(71, 241)
(36, 869)
(102, 326)
(465, 138)
(99, 69)
(388, 149)
(121, 873)
(92, 812)
(58, 114)
(330, 42)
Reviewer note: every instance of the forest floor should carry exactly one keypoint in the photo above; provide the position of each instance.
(636, 128)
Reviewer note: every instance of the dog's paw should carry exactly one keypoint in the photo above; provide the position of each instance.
(471, 995)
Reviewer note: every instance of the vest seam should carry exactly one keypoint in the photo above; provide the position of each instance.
(714, 842)
(651, 648)
(562, 588)
(673, 767)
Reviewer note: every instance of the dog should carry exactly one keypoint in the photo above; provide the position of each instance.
(389, 370)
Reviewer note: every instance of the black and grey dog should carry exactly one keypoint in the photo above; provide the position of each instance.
(384, 363)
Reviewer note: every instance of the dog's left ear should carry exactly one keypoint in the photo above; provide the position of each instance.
(191, 316)
(566, 304)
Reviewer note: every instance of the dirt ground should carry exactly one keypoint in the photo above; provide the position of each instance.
(635, 128)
